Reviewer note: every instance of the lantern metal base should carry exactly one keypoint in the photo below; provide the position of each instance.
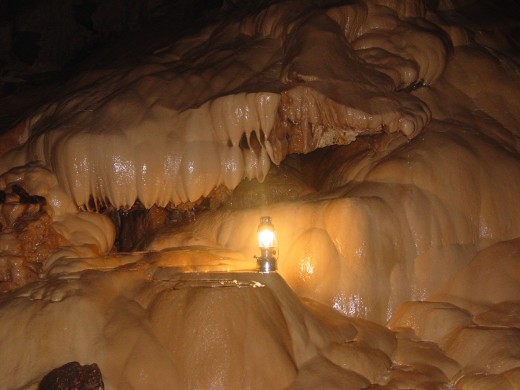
(266, 264)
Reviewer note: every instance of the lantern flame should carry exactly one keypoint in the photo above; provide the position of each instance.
(267, 244)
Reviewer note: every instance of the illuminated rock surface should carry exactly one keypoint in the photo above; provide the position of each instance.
(396, 204)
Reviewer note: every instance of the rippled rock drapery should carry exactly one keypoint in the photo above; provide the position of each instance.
(196, 117)
(395, 200)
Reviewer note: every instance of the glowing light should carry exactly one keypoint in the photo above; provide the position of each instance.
(266, 239)
(268, 246)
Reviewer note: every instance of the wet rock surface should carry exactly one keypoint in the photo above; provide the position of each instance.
(398, 236)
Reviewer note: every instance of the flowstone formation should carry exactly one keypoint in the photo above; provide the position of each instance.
(382, 138)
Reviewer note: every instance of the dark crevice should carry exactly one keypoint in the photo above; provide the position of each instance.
(136, 225)
(255, 144)
(26, 198)
(412, 87)
(243, 144)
